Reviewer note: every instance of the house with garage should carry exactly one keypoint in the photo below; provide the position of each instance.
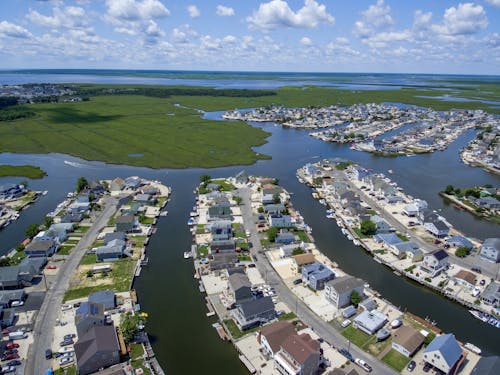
(254, 312)
(240, 287)
(435, 225)
(407, 340)
(280, 221)
(110, 252)
(316, 275)
(370, 321)
(338, 291)
(443, 353)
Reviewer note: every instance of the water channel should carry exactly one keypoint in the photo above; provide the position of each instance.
(182, 336)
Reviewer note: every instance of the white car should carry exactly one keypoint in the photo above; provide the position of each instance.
(66, 307)
(66, 361)
(365, 366)
(16, 303)
(345, 323)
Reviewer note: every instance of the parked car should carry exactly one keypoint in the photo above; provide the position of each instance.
(411, 366)
(69, 336)
(12, 345)
(48, 354)
(66, 343)
(297, 281)
(346, 354)
(427, 367)
(14, 362)
(16, 303)
(6, 370)
(66, 307)
(482, 282)
(345, 323)
(51, 267)
(365, 366)
(66, 361)
(77, 304)
(10, 351)
(251, 265)
(8, 357)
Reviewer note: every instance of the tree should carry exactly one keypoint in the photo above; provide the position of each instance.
(449, 190)
(48, 221)
(130, 324)
(297, 251)
(19, 247)
(32, 230)
(271, 234)
(317, 181)
(238, 200)
(355, 298)
(205, 178)
(4, 262)
(276, 198)
(81, 184)
(368, 227)
(462, 252)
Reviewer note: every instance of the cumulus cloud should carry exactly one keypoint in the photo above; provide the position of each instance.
(467, 18)
(305, 41)
(495, 3)
(193, 11)
(133, 10)
(277, 13)
(224, 11)
(14, 31)
(69, 17)
(376, 17)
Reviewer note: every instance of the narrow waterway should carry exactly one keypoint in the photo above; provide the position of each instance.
(182, 336)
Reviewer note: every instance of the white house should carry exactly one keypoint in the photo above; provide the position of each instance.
(490, 250)
(443, 353)
(435, 262)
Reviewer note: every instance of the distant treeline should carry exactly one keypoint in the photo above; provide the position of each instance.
(9, 114)
(166, 92)
(7, 101)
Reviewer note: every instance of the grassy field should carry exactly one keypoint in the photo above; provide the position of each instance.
(28, 171)
(115, 128)
(396, 360)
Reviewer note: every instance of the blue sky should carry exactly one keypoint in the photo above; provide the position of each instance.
(253, 35)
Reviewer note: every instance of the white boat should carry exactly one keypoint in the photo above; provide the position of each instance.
(472, 348)
(390, 171)
(164, 213)
(187, 254)
(344, 231)
(349, 237)
(44, 192)
(396, 323)
(356, 242)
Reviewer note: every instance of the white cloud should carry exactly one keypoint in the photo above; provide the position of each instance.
(193, 11)
(306, 41)
(69, 17)
(224, 11)
(229, 39)
(467, 18)
(376, 17)
(133, 10)
(495, 3)
(277, 13)
(14, 31)
(153, 31)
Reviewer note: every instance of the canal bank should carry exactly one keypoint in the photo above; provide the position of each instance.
(182, 337)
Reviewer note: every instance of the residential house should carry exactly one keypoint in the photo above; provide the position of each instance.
(220, 230)
(459, 241)
(435, 262)
(44, 248)
(316, 275)
(488, 202)
(370, 321)
(465, 278)
(491, 294)
(116, 185)
(240, 287)
(407, 340)
(299, 355)
(368, 304)
(79, 207)
(88, 315)
(435, 225)
(132, 182)
(11, 191)
(126, 223)
(284, 236)
(490, 250)
(221, 261)
(287, 250)
(149, 190)
(274, 208)
(272, 336)
(108, 237)
(219, 212)
(112, 251)
(222, 246)
(301, 260)
(146, 199)
(280, 221)
(7, 317)
(96, 188)
(401, 249)
(443, 353)
(96, 349)
(254, 312)
(487, 366)
(415, 255)
(338, 291)
(415, 208)
(270, 194)
(69, 217)
(105, 297)
(9, 296)
(382, 225)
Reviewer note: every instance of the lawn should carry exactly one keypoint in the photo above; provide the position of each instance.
(358, 233)
(200, 229)
(201, 251)
(396, 360)
(356, 336)
(140, 364)
(146, 220)
(136, 351)
(71, 370)
(235, 331)
(224, 185)
(89, 259)
(302, 235)
(402, 237)
(287, 316)
(28, 171)
(65, 249)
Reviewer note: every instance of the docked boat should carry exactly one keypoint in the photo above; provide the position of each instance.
(344, 231)
(349, 237)
(356, 242)
(191, 221)
(383, 334)
(187, 254)
(473, 348)
(396, 323)
(390, 171)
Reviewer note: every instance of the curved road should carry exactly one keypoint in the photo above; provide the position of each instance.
(322, 328)
(43, 333)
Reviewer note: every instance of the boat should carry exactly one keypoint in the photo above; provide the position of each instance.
(396, 323)
(190, 221)
(383, 334)
(473, 348)
(164, 213)
(187, 254)
(344, 231)
(390, 171)
(356, 242)
(349, 237)
(45, 192)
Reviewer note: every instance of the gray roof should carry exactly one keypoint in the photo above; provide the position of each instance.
(9, 274)
(239, 280)
(125, 219)
(108, 237)
(492, 242)
(257, 306)
(345, 284)
(97, 339)
(105, 297)
(43, 245)
(487, 366)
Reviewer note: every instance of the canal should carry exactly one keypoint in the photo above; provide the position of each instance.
(182, 336)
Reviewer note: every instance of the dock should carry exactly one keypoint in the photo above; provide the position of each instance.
(220, 330)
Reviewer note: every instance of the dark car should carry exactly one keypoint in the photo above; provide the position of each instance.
(77, 304)
(297, 281)
(482, 282)
(15, 362)
(251, 265)
(48, 354)
(346, 354)
(10, 351)
(427, 367)
(12, 345)
(411, 366)
(69, 336)
(66, 343)
(8, 357)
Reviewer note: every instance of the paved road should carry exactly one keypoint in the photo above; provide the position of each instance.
(36, 363)
(323, 329)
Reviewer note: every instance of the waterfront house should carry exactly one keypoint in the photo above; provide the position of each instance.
(11, 191)
(287, 250)
(443, 353)
(116, 185)
(338, 291)
(220, 261)
(280, 221)
(220, 230)
(415, 208)
(435, 262)
(132, 182)
(110, 252)
(96, 188)
(285, 237)
(240, 287)
(105, 297)
(368, 304)
(465, 278)
(382, 225)
(488, 202)
(270, 194)
(254, 312)
(126, 223)
(88, 315)
(78, 208)
(96, 349)
(435, 225)
(316, 275)
(407, 341)
(272, 336)
(146, 199)
(69, 217)
(299, 354)
(301, 260)
(219, 212)
(43, 248)
(491, 294)
(108, 237)
(370, 321)
(459, 241)
(274, 208)
(223, 246)
(149, 190)
(490, 250)
(401, 249)
(414, 254)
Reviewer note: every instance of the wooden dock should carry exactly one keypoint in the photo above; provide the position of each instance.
(220, 330)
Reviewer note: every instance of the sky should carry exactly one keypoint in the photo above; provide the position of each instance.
(388, 36)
